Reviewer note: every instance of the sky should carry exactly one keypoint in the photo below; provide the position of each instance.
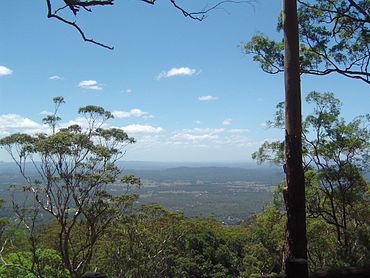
(183, 88)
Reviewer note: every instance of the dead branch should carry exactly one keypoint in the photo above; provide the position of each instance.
(75, 6)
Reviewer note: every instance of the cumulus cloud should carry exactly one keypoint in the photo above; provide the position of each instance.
(5, 71)
(12, 123)
(132, 113)
(207, 98)
(182, 71)
(90, 85)
(56, 77)
(227, 121)
(137, 129)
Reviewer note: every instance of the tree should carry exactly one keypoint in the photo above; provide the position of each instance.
(145, 243)
(52, 119)
(337, 154)
(264, 246)
(334, 38)
(154, 242)
(73, 167)
(336, 157)
(75, 6)
(3, 222)
(326, 47)
(20, 264)
(294, 194)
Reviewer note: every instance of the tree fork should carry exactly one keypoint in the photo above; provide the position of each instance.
(294, 192)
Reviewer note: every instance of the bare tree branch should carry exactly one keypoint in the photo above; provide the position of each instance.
(54, 14)
(75, 6)
(201, 15)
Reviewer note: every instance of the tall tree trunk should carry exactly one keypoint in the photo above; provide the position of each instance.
(296, 241)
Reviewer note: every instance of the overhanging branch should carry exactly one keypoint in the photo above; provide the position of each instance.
(76, 5)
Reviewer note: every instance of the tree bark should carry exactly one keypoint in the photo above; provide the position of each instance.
(294, 194)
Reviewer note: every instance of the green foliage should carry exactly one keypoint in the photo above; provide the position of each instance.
(95, 114)
(154, 242)
(264, 248)
(334, 37)
(4, 222)
(270, 151)
(322, 244)
(94, 230)
(336, 157)
(53, 119)
(206, 250)
(21, 265)
(74, 166)
(267, 52)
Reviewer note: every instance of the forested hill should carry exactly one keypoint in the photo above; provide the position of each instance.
(9, 172)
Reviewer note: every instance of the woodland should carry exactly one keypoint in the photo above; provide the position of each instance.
(92, 230)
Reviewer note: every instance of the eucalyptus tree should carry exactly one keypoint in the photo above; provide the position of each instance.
(336, 158)
(330, 36)
(74, 165)
(334, 38)
(294, 193)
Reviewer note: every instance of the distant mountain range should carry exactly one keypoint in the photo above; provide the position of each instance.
(170, 171)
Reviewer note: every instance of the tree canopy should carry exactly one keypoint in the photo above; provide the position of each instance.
(75, 224)
(336, 158)
(74, 165)
(334, 38)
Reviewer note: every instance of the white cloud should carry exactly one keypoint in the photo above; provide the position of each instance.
(132, 113)
(227, 121)
(194, 137)
(56, 77)
(198, 130)
(90, 84)
(207, 98)
(12, 123)
(137, 129)
(5, 71)
(238, 130)
(211, 137)
(126, 91)
(197, 134)
(182, 71)
(81, 121)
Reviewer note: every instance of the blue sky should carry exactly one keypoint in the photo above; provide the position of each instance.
(181, 87)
